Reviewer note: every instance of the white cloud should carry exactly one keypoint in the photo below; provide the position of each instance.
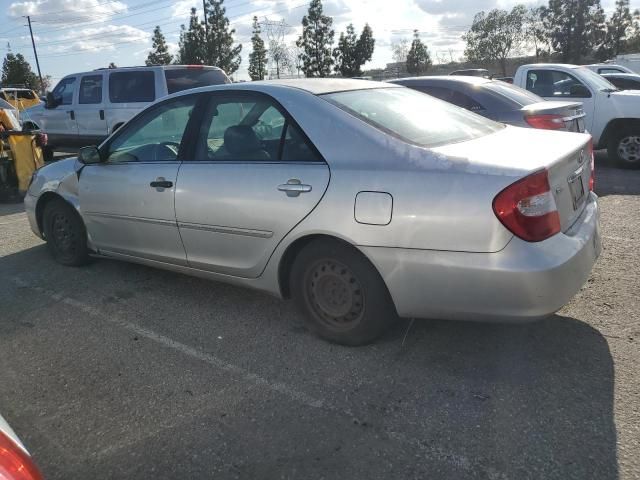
(66, 12)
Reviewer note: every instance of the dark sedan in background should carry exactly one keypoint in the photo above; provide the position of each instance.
(501, 102)
(624, 81)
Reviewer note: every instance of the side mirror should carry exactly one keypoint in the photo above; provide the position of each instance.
(89, 155)
(51, 101)
(579, 91)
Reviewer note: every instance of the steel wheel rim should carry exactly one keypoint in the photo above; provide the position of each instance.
(334, 294)
(64, 236)
(629, 149)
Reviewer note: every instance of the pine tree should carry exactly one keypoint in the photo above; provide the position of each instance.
(352, 51)
(258, 55)
(316, 42)
(619, 29)
(17, 71)
(191, 43)
(160, 54)
(418, 58)
(219, 49)
(569, 26)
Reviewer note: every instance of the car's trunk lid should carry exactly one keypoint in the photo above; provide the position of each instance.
(517, 152)
(572, 113)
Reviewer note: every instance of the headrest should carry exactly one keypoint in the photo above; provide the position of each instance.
(241, 140)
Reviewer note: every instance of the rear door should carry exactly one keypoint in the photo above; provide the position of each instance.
(128, 200)
(90, 114)
(254, 176)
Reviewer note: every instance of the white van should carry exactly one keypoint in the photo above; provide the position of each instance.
(85, 108)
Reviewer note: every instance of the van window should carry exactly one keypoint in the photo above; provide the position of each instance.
(90, 89)
(179, 79)
(63, 93)
(125, 87)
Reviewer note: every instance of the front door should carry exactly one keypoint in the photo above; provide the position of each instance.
(254, 176)
(559, 85)
(60, 122)
(128, 199)
(89, 111)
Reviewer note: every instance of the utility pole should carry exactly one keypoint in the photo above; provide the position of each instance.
(35, 53)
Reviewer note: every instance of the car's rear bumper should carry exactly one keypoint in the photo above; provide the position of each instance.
(524, 281)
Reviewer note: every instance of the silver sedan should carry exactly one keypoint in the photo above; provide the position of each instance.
(362, 201)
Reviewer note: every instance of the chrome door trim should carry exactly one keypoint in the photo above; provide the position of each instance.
(153, 221)
(229, 230)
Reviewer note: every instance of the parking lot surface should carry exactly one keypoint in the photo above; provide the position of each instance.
(121, 371)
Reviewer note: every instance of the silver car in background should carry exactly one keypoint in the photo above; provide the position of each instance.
(361, 200)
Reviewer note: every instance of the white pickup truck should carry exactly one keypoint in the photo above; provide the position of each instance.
(612, 116)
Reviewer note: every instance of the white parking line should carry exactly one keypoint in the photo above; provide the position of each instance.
(430, 452)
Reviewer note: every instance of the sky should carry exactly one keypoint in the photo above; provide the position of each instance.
(79, 35)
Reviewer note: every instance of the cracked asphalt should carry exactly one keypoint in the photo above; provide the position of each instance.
(121, 371)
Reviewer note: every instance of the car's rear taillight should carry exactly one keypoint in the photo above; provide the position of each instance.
(527, 208)
(546, 121)
(591, 156)
(15, 463)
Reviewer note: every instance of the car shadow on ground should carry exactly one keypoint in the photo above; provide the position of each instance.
(525, 401)
(613, 180)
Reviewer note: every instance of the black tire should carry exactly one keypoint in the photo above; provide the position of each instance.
(65, 234)
(341, 294)
(47, 153)
(624, 147)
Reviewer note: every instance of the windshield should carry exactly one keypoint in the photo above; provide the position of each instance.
(413, 116)
(516, 94)
(596, 80)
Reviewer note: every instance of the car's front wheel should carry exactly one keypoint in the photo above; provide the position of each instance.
(341, 294)
(65, 233)
(624, 148)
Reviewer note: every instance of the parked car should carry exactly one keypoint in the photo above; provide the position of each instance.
(624, 81)
(612, 116)
(472, 72)
(503, 79)
(84, 108)
(343, 194)
(608, 68)
(20, 98)
(15, 461)
(501, 102)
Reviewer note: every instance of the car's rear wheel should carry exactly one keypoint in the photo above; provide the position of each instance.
(624, 148)
(341, 294)
(65, 233)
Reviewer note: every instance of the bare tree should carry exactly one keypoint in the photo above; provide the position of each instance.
(400, 50)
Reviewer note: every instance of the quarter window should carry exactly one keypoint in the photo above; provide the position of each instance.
(156, 135)
(248, 128)
(90, 89)
(131, 87)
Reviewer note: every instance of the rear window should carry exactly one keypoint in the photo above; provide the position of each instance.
(26, 94)
(518, 95)
(179, 79)
(412, 116)
(131, 87)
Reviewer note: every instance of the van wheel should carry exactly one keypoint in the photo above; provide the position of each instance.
(624, 148)
(65, 234)
(341, 294)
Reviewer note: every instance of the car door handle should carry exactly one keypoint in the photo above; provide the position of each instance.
(101, 113)
(294, 187)
(72, 114)
(161, 183)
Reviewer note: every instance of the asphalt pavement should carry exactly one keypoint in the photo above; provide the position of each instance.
(117, 370)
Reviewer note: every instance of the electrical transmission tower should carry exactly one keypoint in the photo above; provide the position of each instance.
(279, 54)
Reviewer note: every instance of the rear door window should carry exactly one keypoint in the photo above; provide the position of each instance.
(453, 96)
(90, 89)
(179, 79)
(131, 87)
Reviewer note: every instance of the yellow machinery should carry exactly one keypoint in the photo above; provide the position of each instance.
(20, 156)
(20, 98)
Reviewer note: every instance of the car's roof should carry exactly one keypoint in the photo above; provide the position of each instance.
(634, 76)
(552, 65)
(144, 67)
(470, 79)
(319, 86)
